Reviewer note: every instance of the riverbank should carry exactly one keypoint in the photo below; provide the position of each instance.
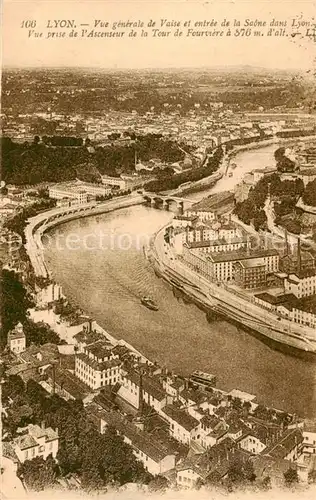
(232, 304)
(108, 286)
(211, 180)
(38, 225)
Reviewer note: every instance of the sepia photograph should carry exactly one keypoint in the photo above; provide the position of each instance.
(158, 249)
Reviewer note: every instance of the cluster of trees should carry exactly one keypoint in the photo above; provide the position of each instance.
(295, 133)
(241, 472)
(14, 305)
(284, 164)
(61, 141)
(17, 223)
(40, 334)
(113, 195)
(15, 301)
(309, 195)
(196, 174)
(99, 93)
(29, 164)
(251, 210)
(268, 414)
(98, 460)
(280, 188)
(286, 194)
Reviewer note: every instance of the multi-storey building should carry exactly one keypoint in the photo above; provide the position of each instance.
(79, 191)
(136, 389)
(38, 442)
(17, 339)
(157, 456)
(97, 365)
(250, 273)
(301, 284)
(219, 245)
(221, 266)
(183, 427)
(94, 189)
(69, 191)
(290, 263)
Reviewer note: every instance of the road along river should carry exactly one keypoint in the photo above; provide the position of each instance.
(108, 280)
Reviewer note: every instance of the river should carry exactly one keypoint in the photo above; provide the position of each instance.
(108, 280)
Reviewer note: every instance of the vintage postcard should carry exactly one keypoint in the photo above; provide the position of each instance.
(158, 249)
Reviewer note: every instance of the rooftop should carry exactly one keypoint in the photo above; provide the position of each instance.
(99, 349)
(251, 263)
(276, 299)
(39, 432)
(88, 337)
(181, 417)
(99, 366)
(213, 202)
(241, 255)
(141, 440)
(290, 439)
(150, 385)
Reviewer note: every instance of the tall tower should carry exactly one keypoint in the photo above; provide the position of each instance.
(286, 243)
(299, 257)
(135, 159)
(140, 398)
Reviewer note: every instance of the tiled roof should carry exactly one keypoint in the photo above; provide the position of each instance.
(150, 385)
(103, 366)
(25, 442)
(99, 349)
(88, 337)
(37, 432)
(234, 256)
(285, 445)
(210, 421)
(181, 417)
(70, 383)
(141, 440)
(275, 299)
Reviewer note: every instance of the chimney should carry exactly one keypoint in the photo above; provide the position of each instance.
(286, 243)
(54, 377)
(140, 396)
(43, 424)
(299, 263)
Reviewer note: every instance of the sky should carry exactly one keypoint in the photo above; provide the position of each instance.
(270, 52)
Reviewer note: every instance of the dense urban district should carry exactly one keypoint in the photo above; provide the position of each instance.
(84, 410)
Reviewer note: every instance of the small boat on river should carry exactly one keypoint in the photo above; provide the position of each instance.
(149, 303)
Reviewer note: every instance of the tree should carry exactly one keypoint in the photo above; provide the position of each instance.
(309, 195)
(291, 477)
(14, 304)
(241, 471)
(266, 483)
(199, 483)
(235, 471)
(38, 474)
(40, 333)
(13, 387)
(312, 476)
(159, 483)
(118, 461)
(248, 471)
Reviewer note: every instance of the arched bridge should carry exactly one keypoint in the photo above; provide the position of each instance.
(167, 201)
